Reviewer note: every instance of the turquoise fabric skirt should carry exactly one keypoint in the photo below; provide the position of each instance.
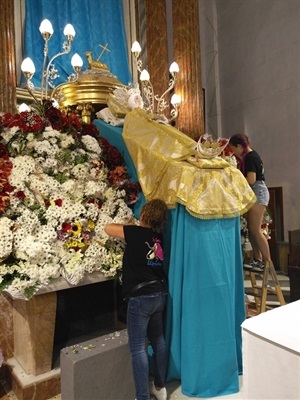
(206, 304)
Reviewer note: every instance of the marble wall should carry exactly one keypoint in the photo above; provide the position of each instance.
(6, 326)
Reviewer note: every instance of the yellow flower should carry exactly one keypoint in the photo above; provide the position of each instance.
(76, 229)
(73, 244)
(91, 225)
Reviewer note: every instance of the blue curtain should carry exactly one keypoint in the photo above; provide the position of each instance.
(95, 22)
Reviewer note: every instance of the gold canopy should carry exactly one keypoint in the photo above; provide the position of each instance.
(92, 86)
(90, 90)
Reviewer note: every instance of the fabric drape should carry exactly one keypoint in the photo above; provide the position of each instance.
(167, 169)
(205, 306)
(96, 22)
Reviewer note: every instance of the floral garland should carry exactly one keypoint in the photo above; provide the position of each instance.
(60, 184)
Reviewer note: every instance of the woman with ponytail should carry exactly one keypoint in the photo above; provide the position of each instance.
(252, 167)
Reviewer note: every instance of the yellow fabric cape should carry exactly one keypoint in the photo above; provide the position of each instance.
(167, 168)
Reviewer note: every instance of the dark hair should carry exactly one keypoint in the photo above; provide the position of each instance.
(239, 138)
(154, 214)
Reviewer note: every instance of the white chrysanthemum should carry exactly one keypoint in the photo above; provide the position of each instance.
(48, 272)
(23, 166)
(43, 185)
(50, 132)
(66, 141)
(93, 188)
(92, 211)
(68, 186)
(18, 286)
(30, 137)
(231, 160)
(27, 221)
(99, 174)
(48, 163)
(8, 134)
(46, 148)
(80, 171)
(6, 237)
(91, 144)
(73, 270)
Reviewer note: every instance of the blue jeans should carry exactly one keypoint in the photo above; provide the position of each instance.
(145, 319)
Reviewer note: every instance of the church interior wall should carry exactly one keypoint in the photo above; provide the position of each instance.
(250, 73)
(250, 64)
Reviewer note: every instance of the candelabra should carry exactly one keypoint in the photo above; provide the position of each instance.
(49, 73)
(155, 103)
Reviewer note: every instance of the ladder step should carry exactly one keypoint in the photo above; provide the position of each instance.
(269, 289)
(259, 294)
(269, 286)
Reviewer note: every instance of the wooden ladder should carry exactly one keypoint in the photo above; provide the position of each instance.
(269, 285)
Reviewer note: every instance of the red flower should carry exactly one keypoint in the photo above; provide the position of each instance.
(66, 226)
(132, 191)
(58, 202)
(89, 129)
(4, 202)
(5, 187)
(20, 195)
(73, 121)
(4, 152)
(110, 154)
(118, 175)
(56, 118)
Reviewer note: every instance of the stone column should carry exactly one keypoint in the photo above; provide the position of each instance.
(34, 325)
(8, 57)
(186, 39)
(6, 326)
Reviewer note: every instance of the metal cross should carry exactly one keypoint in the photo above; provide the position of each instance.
(105, 48)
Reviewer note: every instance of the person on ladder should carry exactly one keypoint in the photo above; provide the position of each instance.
(252, 167)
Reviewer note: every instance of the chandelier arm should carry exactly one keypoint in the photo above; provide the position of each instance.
(53, 93)
(160, 102)
(138, 64)
(71, 79)
(30, 88)
(67, 49)
(46, 48)
(148, 94)
(174, 113)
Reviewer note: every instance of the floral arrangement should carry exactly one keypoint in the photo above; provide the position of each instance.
(60, 184)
